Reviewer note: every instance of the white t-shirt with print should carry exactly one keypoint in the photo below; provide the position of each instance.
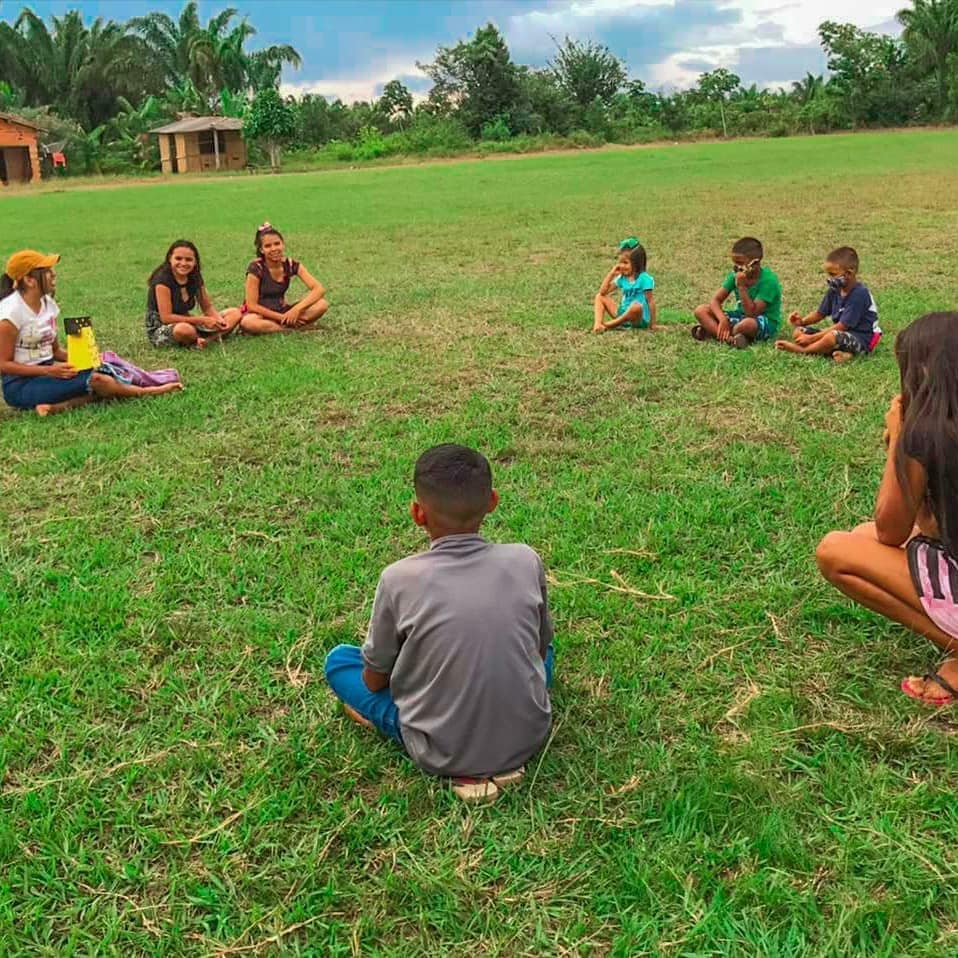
(36, 332)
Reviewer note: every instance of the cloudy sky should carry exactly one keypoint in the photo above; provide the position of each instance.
(351, 48)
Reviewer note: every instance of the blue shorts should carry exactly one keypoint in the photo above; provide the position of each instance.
(344, 672)
(27, 392)
(643, 323)
(764, 330)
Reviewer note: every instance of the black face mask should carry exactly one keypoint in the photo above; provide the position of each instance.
(836, 282)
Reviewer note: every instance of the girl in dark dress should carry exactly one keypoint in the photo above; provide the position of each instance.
(266, 309)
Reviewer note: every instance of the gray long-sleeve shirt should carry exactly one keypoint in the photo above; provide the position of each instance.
(462, 631)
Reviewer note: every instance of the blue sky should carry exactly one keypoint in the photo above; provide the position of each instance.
(351, 48)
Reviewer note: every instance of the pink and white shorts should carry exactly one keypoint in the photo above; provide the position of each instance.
(935, 576)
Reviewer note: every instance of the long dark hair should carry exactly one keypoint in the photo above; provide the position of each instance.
(267, 229)
(163, 273)
(927, 354)
(8, 286)
(637, 259)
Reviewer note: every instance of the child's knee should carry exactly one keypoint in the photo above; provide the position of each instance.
(184, 333)
(831, 552)
(342, 656)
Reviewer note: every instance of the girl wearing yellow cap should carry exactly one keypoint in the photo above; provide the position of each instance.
(33, 366)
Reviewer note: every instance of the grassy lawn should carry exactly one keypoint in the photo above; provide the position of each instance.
(733, 770)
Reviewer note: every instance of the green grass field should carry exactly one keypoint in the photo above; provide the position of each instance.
(733, 770)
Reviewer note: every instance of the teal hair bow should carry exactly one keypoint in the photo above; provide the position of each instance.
(629, 243)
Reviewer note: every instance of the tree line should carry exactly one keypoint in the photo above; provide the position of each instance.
(97, 89)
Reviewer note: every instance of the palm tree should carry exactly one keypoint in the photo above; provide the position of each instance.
(213, 57)
(931, 34)
(809, 87)
(78, 70)
(263, 68)
(181, 48)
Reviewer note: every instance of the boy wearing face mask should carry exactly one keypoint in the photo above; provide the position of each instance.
(757, 312)
(851, 308)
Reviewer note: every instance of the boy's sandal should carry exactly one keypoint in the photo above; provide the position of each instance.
(741, 341)
(475, 789)
(505, 779)
(942, 683)
(698, 332)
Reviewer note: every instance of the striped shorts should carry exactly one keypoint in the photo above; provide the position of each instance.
(934, 574)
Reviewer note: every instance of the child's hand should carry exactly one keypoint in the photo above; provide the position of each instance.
(796, 318)
(62, 371)
(724, 331)
(893, 421)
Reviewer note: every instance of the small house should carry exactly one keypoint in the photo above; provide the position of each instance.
(196, 144)
(19, 156)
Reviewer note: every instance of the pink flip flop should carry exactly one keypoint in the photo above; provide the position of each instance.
(951, 697)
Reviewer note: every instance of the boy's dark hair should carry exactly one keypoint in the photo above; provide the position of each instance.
(749, 246)
(845, 257)
(637, 258)
(456, 480)
(265, 230)
(927, 354)
(163, 273)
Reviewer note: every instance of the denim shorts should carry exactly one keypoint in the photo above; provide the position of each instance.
(27, 392)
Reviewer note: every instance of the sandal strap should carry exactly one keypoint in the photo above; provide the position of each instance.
(942, 682)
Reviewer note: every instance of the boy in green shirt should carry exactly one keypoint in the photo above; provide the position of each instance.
(758, 301)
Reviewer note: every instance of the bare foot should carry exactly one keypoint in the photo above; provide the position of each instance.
(52, 408)
(787, 347)
(165, 388)
(356, 717)
(840, 357)
(598, 329)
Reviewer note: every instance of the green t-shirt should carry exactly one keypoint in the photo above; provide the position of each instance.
(768, 289)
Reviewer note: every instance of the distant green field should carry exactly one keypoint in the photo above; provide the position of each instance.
(733, 770)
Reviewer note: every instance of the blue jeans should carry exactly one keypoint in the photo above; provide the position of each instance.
(26, 392)
(344, 672)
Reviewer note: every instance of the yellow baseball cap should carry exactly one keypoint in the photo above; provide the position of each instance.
(27, 260)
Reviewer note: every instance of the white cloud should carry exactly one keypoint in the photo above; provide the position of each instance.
(784, 25)
(349, 89)
(716, 39)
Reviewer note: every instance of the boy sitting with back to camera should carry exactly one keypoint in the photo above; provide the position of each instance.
(851, 308)
(458, 656)
(758, 301)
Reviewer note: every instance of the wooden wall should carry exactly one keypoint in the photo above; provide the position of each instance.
(19, 145)
(189, 159)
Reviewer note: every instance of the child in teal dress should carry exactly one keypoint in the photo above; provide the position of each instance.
(637, 308)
